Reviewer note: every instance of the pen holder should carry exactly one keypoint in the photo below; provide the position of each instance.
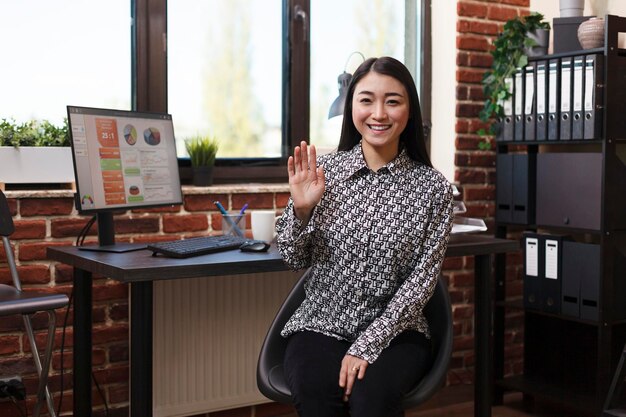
(234, 224)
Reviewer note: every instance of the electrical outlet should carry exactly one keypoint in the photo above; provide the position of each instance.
(12, 387)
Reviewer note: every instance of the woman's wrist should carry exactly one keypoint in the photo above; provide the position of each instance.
(303, 214)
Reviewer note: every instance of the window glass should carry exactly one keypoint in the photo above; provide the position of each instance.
(225, 74)
(64, 52)
(338, 30)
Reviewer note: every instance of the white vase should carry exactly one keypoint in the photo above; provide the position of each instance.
(571, 8)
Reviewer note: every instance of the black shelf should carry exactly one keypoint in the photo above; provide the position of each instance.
(519, 305)
(571, 360)
(551, 142)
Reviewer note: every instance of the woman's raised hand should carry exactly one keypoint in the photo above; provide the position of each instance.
(306, 181)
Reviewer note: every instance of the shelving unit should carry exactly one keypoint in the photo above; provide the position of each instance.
(571, 360)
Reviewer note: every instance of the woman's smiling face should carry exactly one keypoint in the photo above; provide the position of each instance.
(380, 112)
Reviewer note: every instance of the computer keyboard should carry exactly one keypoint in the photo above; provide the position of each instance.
(197, 246)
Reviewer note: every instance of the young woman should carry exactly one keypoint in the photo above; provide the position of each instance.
(372, 220)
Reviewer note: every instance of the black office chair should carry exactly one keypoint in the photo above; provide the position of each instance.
(14, 301)
(271, 379)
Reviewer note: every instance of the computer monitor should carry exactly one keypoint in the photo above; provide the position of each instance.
(123, 160)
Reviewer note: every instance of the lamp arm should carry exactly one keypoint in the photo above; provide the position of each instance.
(345, 67)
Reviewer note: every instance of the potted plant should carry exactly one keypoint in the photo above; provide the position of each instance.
(511, 51)
(35, 152)
(202, 151)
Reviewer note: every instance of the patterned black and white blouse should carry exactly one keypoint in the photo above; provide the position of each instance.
(375, 242)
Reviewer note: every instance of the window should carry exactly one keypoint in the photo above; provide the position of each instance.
(355, 36)
(258, 74)
(224, 74)
(55, 55)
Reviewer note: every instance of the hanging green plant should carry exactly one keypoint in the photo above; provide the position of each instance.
(509, 53)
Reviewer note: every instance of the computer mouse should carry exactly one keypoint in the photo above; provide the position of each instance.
(254, 246)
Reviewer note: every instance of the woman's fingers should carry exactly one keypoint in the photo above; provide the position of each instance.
(291, 170)
(312, 163)
(297, 159)
(304, 160)
(352, 368)
(305, 156)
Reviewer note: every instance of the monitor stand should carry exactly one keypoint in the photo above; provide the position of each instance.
(106, 238)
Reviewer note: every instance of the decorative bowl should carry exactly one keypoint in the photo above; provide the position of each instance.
(591, 33)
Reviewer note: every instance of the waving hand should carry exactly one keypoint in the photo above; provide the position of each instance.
(306, 181)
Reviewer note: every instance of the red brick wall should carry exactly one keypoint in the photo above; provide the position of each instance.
(43, 222)
(46, 221)
(478, 24)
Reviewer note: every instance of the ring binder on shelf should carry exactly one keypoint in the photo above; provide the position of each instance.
(566, 99)
(529, 102)
(541, 126)
(577, 98)
(554, 81)
(507, 123)
(519, 105)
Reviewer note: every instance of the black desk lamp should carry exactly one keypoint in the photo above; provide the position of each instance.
(343, 80)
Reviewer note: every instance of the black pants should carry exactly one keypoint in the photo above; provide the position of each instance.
(313, 361)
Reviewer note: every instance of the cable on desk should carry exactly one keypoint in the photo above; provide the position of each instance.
(80, 239)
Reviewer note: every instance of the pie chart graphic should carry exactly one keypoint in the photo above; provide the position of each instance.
(130, 134)
(152, 136)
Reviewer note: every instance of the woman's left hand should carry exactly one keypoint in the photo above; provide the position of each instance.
(352, 368)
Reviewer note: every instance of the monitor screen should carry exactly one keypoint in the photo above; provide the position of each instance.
(123, 159)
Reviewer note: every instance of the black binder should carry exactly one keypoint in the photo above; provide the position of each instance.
(518, 99)
(573, 263)
(541, 122)
(529, 102)
(554, 103)
(578, 73)
(504, 187)
(515, 188)
(590, 283)
(531, 246)
(565, 131)
(524, 195)
(594, 96)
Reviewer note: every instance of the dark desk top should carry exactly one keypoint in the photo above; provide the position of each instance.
(142, 266)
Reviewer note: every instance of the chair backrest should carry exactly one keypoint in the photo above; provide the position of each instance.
(270, 377)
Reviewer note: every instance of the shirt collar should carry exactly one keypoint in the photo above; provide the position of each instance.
(355, 162)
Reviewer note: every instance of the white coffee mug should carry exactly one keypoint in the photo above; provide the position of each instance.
(263, 223)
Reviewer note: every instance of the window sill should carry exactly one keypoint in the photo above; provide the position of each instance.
(242, 188)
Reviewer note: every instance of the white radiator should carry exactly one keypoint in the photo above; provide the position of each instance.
(207, 337)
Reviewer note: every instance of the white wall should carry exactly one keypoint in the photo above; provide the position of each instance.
(443, 86)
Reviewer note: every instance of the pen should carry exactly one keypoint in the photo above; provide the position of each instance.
(241, 214)
(228, 219)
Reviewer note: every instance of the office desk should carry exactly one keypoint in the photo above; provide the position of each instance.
(140, 269)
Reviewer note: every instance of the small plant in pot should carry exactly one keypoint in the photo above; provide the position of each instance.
(517, 41)
(202, 151)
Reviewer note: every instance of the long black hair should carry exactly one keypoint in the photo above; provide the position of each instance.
(412, 137)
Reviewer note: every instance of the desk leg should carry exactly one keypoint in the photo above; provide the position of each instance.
(82, 342)
(483, 389)
(141, 349)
